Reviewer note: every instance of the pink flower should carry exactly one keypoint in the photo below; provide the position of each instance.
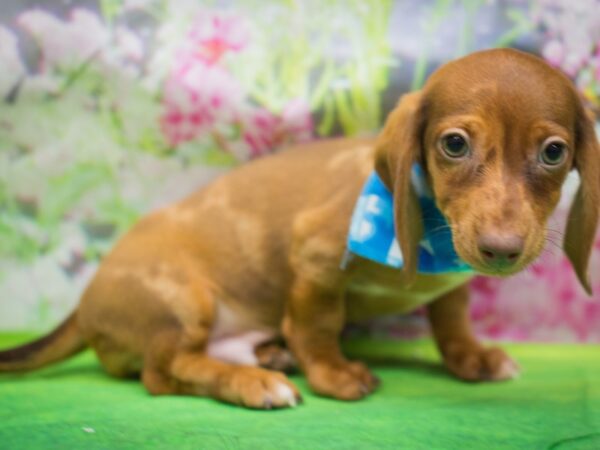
(200, 94)
(213, 35)
(261, 131)
(264, 131)
(196, 99)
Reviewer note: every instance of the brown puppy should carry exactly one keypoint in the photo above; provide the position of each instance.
(188, 298)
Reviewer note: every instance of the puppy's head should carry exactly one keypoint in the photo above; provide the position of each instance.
(497, 133)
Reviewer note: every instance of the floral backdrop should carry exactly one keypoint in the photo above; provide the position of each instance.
(111, 108)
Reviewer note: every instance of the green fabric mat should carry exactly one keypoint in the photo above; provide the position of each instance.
(554, 405)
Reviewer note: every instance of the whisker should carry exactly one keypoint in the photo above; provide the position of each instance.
(552, 238)
(440, 229)
(555, 244)
(548, 250)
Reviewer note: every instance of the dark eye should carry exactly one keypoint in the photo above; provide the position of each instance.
(455, 145)
(553, 153)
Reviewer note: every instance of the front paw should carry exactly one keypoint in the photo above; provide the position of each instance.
(475, 363)
(344, 381)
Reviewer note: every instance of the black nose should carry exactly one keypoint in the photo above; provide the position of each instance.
(500, 251)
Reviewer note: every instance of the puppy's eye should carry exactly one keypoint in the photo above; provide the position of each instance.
(553, 153)
(455, 145)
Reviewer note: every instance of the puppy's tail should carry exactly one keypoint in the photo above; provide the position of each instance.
(64, 341)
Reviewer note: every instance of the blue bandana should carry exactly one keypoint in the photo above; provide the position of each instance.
(372, 233)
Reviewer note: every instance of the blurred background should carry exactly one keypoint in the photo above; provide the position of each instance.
(109, 109)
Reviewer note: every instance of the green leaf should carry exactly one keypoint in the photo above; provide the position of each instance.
(67, 189)
(14, 242)
(213, 156)
(110, 9)
(322, 86)
(117, 212)
(328, 120)
(342, 104)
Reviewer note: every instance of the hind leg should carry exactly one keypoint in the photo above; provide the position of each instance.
(188, 370)
(162, 314)
(197, 374)
(177, 360)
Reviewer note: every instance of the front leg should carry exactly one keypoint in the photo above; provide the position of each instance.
(312, 326)
(463, 355)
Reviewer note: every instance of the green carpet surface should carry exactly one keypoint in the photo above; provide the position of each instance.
(555, 404)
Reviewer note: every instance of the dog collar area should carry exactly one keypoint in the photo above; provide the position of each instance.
(372, 232)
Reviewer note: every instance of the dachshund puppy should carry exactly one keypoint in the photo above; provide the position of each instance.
(192, 298)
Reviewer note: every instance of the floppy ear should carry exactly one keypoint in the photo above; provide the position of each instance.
(583, 217)
(396, 150)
